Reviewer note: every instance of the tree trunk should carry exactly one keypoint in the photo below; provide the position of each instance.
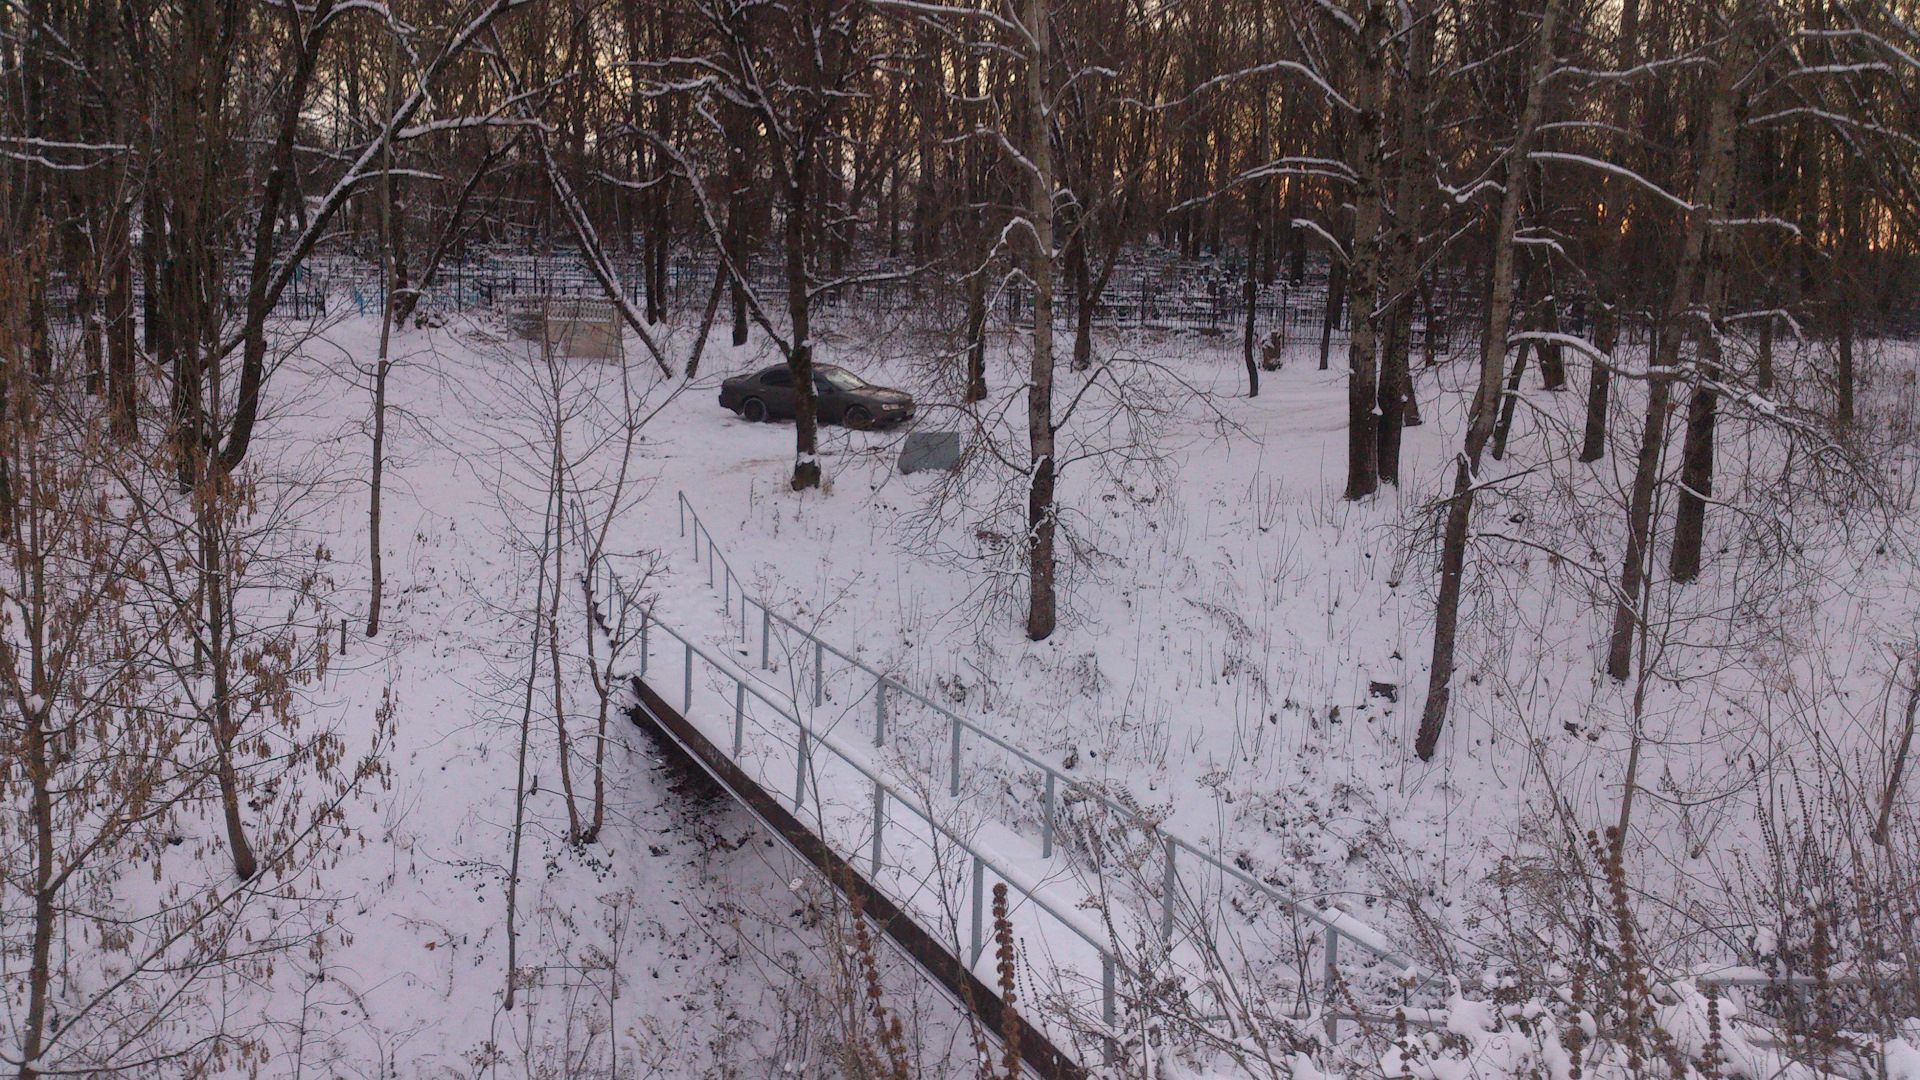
(977, 336)
(46, 921)
(1509, 400)
(1480, 418)
(1363, 341)
(1764, 377)
(1249, 293)
(1553, 368)
(449, 237)
(1396, 395)
(564, 740)
(183, 339)
(404, 294)
(1606, 339)
(1396, 406)
(215, 490)
(1708, 197)
(152, 240)
(1436, 320)
(85, 261)
(740, 208)
(1296, 237)
(737, 294)
(1607, 298)
(1696, 456)
(706, 322)
(390, 288)
(1336, 295)
(1899, 768)
(1844, 376)
(658, 290)
(1083, 302)
(973, 246)
(39, 346)
(1040, 511)
(806, 462)
(279, 182)
(122, 387)
(1696, 472)
(1844, 294)
(376, 577)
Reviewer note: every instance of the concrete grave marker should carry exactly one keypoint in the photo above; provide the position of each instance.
(929, 450)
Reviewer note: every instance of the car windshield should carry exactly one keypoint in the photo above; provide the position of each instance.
(842, 378)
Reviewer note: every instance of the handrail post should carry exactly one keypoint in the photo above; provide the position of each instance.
(879, 822)
(1046, 824)
(739, 716)
(645, 618)
(819, 670)
(683, 513)
(766, 634)
(686, 709)
(800, 772)
(1106, 988)
(1332, 977)
(979, 897)
(1169, 882)
(879, 710)
(709, 560)
(953, 768)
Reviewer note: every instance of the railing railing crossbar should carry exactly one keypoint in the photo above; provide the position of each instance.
(893, 792)
(1331, 919)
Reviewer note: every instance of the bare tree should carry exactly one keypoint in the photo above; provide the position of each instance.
(1041, 510)
(793, 69)
(126, 692)
(1711, 184)
(1493, 351)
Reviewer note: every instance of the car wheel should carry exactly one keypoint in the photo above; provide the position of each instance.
(754, 409)
(858, 418)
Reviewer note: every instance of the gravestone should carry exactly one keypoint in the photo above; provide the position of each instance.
(929, 450)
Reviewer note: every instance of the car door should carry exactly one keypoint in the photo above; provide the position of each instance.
(830, 400)
(776, 389)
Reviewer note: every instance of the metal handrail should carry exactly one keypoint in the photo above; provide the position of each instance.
(1336, 923)
(886, 787)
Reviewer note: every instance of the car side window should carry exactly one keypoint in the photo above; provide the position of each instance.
(777, 377)
(821, 386)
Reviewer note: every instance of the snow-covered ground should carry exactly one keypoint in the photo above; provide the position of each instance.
(1226, 618)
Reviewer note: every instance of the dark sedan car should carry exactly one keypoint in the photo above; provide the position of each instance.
(842, 397)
